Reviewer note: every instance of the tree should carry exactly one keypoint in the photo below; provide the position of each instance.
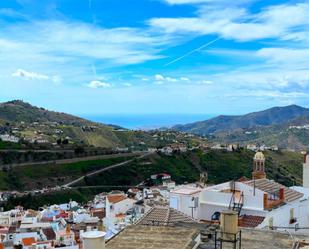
(79, 150)
(59, 141)
(65, 141)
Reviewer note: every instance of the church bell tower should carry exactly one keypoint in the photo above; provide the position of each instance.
(258, 166)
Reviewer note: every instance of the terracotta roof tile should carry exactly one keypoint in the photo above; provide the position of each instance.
(271, 186)
(49, 233)
(28, 241)
(250, 221)
(164, 216)
(116, 198)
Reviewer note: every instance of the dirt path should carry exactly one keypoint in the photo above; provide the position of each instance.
(75, 160)
(104, 169)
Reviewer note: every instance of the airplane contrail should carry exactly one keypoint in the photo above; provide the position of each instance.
(94, 70)
(193, 51)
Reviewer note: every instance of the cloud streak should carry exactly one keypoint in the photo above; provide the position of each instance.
(35, 76)
(98, 84)
(279, 21)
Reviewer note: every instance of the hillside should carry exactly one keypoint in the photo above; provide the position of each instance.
(39, 176)
(285, 127)
(19, 111)
(38, 124)
(272, 116)
(293, 135)
(282, 166)
(41, 128)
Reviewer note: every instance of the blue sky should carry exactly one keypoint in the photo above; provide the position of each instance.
(92, 57)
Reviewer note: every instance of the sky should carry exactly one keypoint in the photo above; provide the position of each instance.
(95, 57)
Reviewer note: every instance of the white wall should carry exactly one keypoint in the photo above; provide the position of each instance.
(281, 216)
(181, 202)
(117, 208)
(306, 173)
(213, 200)
(121, 207)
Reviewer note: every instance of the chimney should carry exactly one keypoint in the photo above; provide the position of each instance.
(229, 228)
(265, 200)
(93, 240)
(281, 194)
(68, 229)
(306, 171)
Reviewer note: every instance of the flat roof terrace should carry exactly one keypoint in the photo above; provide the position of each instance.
(150, 237)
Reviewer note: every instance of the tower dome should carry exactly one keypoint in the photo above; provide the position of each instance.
(259, 156)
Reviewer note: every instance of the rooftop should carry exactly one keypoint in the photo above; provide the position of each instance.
(270, 186)
(250, 221)
(189, 189)
(145, 237)
(163, 215)
(116, 198)
(28, 241)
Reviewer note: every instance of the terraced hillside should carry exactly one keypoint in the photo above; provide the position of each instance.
(284, 167)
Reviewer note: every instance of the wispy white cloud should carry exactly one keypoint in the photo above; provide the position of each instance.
(35, 76)
(29, 75)
(293, 57)
(279, 21)
(67, 48)
(185, 79)
(98, 84)
(7, 12)
(205, 1)
(160, 79)
(205, 82)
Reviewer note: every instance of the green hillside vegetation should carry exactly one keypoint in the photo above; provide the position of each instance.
(19, 111)
(284, 167)
(180, 166)
(32, 122)
(272, 116)
(39, 176)
(281, 135)
(270, 127)
(9, 145)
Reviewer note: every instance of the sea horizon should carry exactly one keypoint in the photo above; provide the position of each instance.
(147, 121)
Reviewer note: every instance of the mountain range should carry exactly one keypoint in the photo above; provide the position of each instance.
(286, 127)
(283, 126)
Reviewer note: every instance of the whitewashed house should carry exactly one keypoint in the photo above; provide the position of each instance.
(184, 198)
(260, 202)
(9, 138)
(117, 204)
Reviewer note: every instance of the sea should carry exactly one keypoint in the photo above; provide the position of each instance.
(147, 121)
